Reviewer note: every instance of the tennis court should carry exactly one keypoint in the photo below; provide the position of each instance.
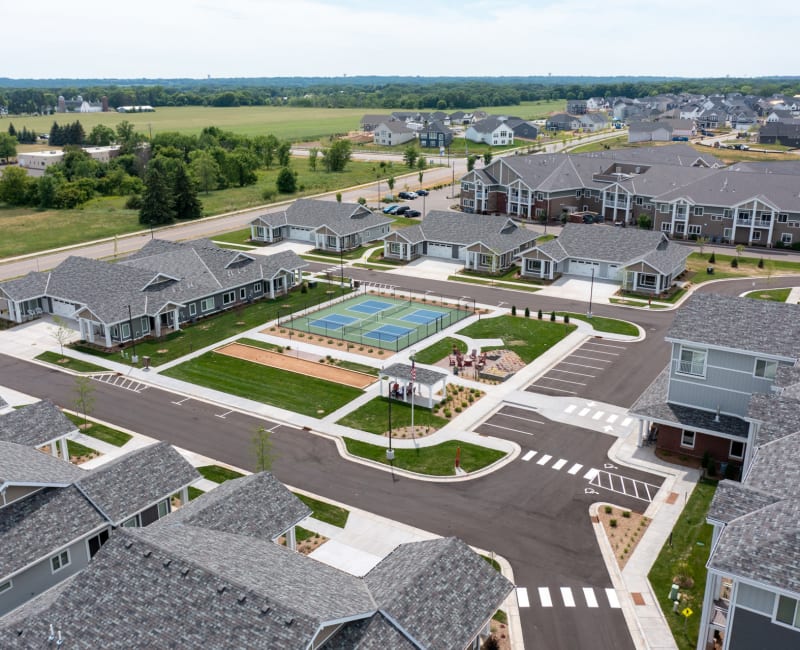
(380, 321)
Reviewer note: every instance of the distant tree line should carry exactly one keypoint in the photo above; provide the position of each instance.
(378, 92)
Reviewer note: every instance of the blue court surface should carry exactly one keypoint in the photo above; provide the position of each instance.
(387, 333)
(370, 306)
(333, 322)
(423, 316)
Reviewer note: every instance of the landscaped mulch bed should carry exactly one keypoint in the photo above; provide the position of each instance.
(625, 534)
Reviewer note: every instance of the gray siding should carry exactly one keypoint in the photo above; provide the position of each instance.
(40, 578)
(752, 631)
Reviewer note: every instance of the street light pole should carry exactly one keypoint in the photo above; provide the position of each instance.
(591, 291)
(341, 265)
(411, 387)
(390, 451)
(134, 359)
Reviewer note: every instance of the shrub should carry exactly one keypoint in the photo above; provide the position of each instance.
(712, 259)
(735, 263)
(761, 262)
(706, 459)
(626, 514)
(540, 314)
(609, 510)
(612, 523)
(304, 288)
(134, 202)
(552, 316)
(513, 310)
(362, 200)
(268, 194)
(527, 312)
(491, 644)
(566, 319)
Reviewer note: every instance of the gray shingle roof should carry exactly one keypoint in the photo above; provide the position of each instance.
(439, 591)
(28, 286)
(342, 218)
(776, 467)
(780, 416)
(375, 633)
(36, 525)
(20, 464)
(500, 234)
(257, 505)
(35, 424)
(739, 324)
(733, 500)
(402, 371)
(137, 480)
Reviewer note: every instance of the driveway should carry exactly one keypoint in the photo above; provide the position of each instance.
(572, 288)
(432, 269)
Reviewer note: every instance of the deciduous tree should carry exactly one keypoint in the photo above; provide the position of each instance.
(205, 170)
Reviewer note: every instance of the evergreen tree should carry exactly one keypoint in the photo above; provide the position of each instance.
(56, 135)
(11, 130)
(286, 183)
(187, 205)
(156, 207)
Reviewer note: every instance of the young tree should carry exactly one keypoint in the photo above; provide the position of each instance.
(701, 242)
(205, 170)
(410, 155)
(487, 157)
(471, 162)
(284, 153)
(186, 204)
(390, 183)
(336, 157)
(61, 333)
(313, 153)
(644, 222)
(286, 183)
(338, 197)
(157, 197)
(101, 136)
(14, 184)
(261, 445)
(420, 175)
(84, 397)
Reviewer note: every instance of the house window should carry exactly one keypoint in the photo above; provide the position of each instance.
(687, 439)
(692, 362)
(726, 233)
(539, 196)
(96, 542)
(726, 213)
(257, 288)
(695, 229)
(468, 203)
(466, 187)
(163, 509)
(788, 611)
(578, 194)
(666, 226)
(207, 304)
(698, 211)
(765, 369)
(59, 561)
(394, 248)
(639, 200)
(716, 217)
(786, 238)
(133, 522)
(126, 331)
(663, 208)
(242, 293)
(193, 309)
(485, 260)
(757, 235)
(680, 228)
(5, 586)
(737, 450)
(753, 598)
(228, 297)
(783, 217)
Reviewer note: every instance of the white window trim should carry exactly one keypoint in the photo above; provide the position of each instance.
(796, 617)
(692, 374)
(192, 309)
(204, 302)
(228, 298)
(62, 564)
(694, 439)
(698, 211)
(730, 450)
(695, 229)
(242, 293)
(666, 226)
(767, 363)
(786, 238)
(257, 288)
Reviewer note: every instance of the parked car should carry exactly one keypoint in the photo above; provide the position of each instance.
(402, 209)
(413, 213)
(422, 192)
(407, 195)
(391, 209)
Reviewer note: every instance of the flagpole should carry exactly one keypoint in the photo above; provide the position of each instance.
(413, 378)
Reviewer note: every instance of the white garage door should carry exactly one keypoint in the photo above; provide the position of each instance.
(440, 250)
(582, 267)
(63, 308)
(613, 272)
(303, 234)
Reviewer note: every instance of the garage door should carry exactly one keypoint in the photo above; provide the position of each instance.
(440, 250)
(582, 267)
(63, 308)
(613, 272)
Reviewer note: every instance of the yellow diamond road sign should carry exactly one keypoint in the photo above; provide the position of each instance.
(687, 612)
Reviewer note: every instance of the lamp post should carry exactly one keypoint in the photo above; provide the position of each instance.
(411, 387)
(390, 451)
(134, 358)
(591, 291)
(341, 264)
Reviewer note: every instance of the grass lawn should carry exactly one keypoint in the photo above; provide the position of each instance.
(440, 350)
(433, 461)
(218, 474)
(77, 449)
(773, 295)
(354, 254)
(495, 564)
(353, 365)
(194, 493)
(235, 237)
(493, 283)
(528, 337)
(218, 327)
(748, 267)
(261, 344)
(68, 362)
(377, 256)
(373, 417)
(687, 556)
(100, 431)
(286, 390)
(330, 514)
(600, 324)
(619, 142)
(535, 110)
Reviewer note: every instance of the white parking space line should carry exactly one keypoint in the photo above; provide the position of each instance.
(565, 381)
(560, 390)
(566, 596)
(591, 599)
(519, 417)
(613, 599)
(626, 422)
(544, 459)
(608, 345)
(559, 463)
(591, 474)
(498, 426)
(598, 415)
(572, 372)
(575, 469)
(610, 354)
(570, 408)
(580, 356)
(623, 485)
(612, 418)
(528, 456)
(522, 597)
(584, 411)
(580, 365)
(544, 597)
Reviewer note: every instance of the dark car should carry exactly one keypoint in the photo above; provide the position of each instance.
(391, 209)
(422, 192)
(412, 213)
(407, 195)
(401, 210)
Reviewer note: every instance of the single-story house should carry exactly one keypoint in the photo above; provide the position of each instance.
(562, 122)
(522, 128)
(642, 260)
(329, 225)
(393, 132)
(154, 290)
(39, 425)
(649, 132)
(492, 130)
(482, 242)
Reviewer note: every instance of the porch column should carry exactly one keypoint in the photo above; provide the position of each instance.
(635, 280)
(107, 332)
(175, 319)
(735, 223)
(529, 204)
(772, 217)
(640, 437)
(605, 204)
(272, 288)
(291, 539)
(184, 496)
(54, 449)
(616, 200)
(157, 319)
(627, 207)
(752, 226)
(674, 217)
(252, 231)
(64, 448)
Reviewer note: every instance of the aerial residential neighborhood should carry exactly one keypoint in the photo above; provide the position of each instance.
(308, 340)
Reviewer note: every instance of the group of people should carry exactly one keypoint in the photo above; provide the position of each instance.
(401, 391)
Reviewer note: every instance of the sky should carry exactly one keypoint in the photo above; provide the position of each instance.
(332, 38)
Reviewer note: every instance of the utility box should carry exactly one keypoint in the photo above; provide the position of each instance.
(673, 592)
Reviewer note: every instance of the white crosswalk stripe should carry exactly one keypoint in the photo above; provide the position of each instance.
(559, 463)
(584, 411)
(544, 597)
(566, 596)
(626, 422)
(529, 455)
(569, 598)
(612, 418)
(588, 594)
(598, 415)
(591, 474)
(522, 597)
(544, 460)
(613, 599)
(570, 408)
(575, 469)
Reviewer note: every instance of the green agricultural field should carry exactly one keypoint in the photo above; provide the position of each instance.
(529, 110)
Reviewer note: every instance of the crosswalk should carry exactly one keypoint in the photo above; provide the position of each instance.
(570, 597)
(120, 381)
(559, 464)
(587, 411)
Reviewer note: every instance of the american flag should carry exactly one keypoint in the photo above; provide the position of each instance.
(413, 371)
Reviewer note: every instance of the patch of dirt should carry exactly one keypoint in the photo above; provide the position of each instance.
(307, 546)
(294, 364)
(626, 532)
(500, 632)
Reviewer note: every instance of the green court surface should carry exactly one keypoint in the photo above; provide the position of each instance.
(382, 321)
